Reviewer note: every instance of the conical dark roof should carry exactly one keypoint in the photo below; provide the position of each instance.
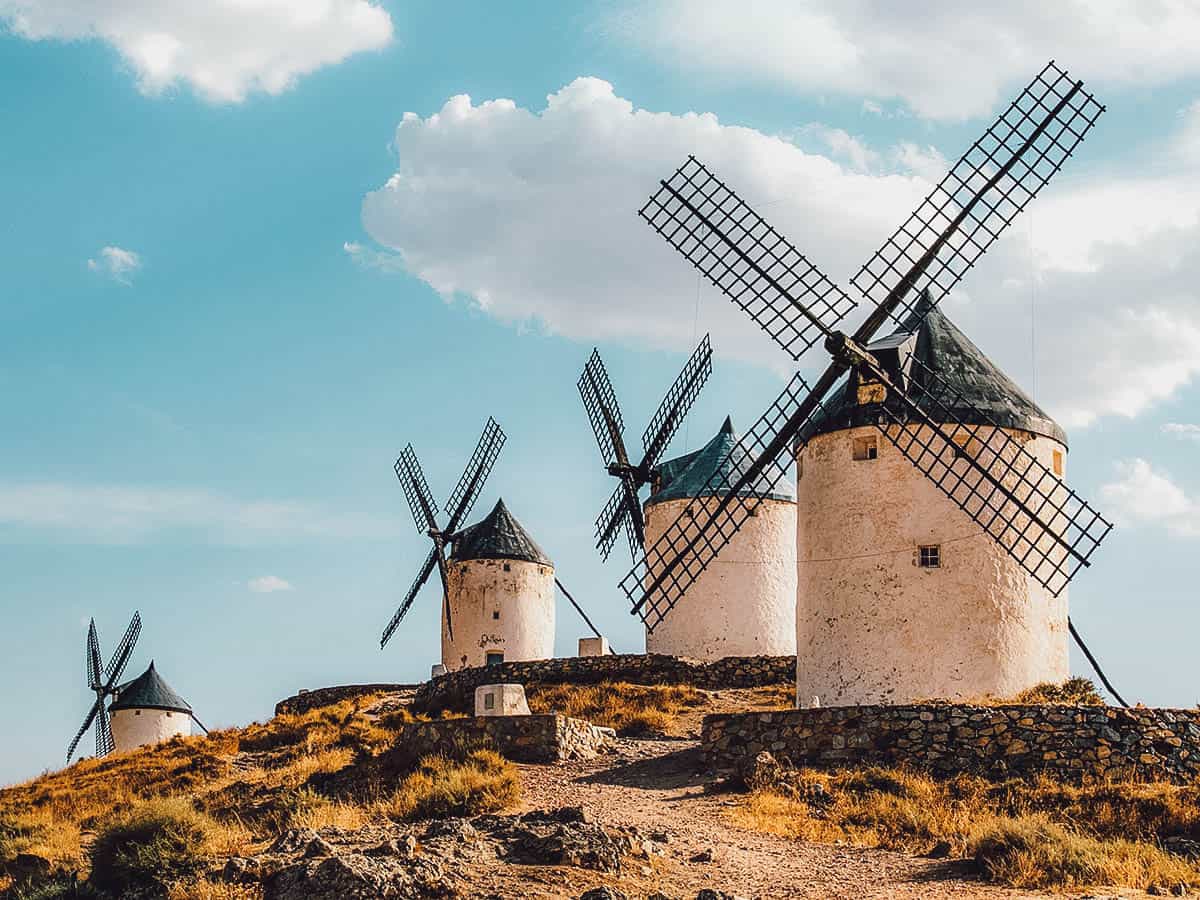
(498, 536)
(987, 393)
(149, 691)
(688, 476)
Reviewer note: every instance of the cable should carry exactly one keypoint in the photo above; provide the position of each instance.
(1095, 665)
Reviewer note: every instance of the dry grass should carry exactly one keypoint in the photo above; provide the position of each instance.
(249, 782)
(156, 844)
(482, 782)
(632, 709)
(1076, 691)
(1027, 834)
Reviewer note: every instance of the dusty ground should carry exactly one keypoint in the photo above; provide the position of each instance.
(658, 786)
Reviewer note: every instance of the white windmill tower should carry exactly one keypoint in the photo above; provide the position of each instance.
(500, 587)
(744, 603)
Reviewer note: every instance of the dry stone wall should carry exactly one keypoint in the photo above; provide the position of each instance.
(535, 739)
(1075, 743)
(456, 690)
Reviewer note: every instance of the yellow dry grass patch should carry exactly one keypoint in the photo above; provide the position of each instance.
(1039, 834)
(482, 782)
(54, 815)
(632, 709)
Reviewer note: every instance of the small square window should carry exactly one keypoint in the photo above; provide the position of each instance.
(929, 556)
(495, 614)
(507, 567)
(866, 447)
(1058, 463)
(494, 659)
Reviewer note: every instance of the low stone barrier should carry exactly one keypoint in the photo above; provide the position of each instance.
(306, 700)
(535, 739)
(1075, 743)
(456, 690)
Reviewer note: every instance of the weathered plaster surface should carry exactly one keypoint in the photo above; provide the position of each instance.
(744, 604)
(521, 592)
(873, 627)
(135, 727)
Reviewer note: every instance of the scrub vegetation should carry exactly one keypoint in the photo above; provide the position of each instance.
(1028, 834)
(152, 818)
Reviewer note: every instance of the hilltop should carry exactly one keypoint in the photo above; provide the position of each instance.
(326, 803)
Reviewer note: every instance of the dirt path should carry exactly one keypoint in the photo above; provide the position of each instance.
(659, 787)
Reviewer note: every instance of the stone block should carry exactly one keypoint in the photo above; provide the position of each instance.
(501, 700)
(593, 646)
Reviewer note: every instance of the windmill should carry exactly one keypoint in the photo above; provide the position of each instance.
(1047, 528)
(458, 507)
(624, 509)
(103, 681)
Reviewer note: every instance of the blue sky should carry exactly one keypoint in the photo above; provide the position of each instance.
(218, 398)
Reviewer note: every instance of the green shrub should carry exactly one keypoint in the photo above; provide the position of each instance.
(151, 846)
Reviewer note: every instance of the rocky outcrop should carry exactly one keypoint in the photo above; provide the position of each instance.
(1075, 743)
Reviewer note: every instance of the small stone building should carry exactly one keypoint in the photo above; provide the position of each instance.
(744, 603)
(901, 596)
(146, 711)
(501, 589)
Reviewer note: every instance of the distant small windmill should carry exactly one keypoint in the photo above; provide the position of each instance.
(1047, 528)
(103, 681)
(624, 510)
(458, 507)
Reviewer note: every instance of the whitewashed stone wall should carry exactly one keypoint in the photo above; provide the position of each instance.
(744, 604)
(136, 727)
(502, 606)
(872, 626)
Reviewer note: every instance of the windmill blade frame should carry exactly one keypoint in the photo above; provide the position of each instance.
(95, 662)
(612, 519)
(476, 472)
(422, 576)
(603, 410)
(676, 404)
(104, 737)
(116, 665)
(98, 706)
(746, 258)
(992, 478)
(416, 489)
(931, 251)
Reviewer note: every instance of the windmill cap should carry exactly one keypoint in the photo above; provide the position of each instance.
(149, 691)
(721, 461)
(984, 394)
(498, 535)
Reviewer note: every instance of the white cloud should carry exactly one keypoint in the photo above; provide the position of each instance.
(1184, 431)
(1142, 495)
(268, 584)
(943, 58)
(130, 513)
(372, 257)
(116, 262)
(223, 49)
(531, 216)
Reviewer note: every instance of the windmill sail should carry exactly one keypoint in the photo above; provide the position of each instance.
(764, 274)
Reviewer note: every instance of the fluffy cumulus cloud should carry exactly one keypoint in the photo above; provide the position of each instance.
(268, 584)
(1142, 495)
(117, 263)
(131, 513)
(940, 58)
(223, 49)
(530, 215)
